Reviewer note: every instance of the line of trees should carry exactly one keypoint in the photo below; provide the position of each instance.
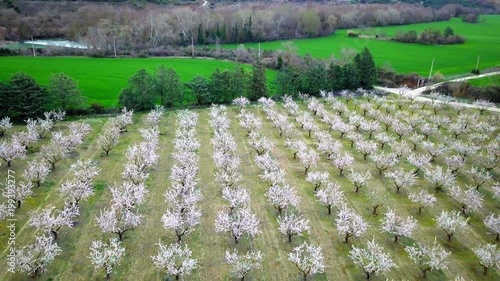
(430, 36)
(104, 27)
(22, 97)
(306, 75)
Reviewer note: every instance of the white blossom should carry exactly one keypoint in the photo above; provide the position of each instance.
(36, 172)
(493, 224)
(308, 259)
(240, 222)
(398, 226)
(282, 197)
(372, 259)
(51, 220)
(292, 224)
(349, 223)
(106, 256)
(489, 256)
(241, 265)
(331, 196)
(423, 199)
(428, 258)
(451, 223)
(175, 260)
(35, 258)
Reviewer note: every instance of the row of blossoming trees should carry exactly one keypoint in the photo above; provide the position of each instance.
(345, 147)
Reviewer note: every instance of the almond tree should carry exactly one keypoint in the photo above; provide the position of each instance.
(384, 161)
(106, 256)
(428, 258)
(250, 122)
(241, 265)
(423, 199)
(121, 121)
(439, 178)
(295, 146)
(401, 129)
(398, 226)
(51, 220)
(470, 200)
(354, 137)
(175, 260)
(433, 149)
(308, 259)
(308, 158)
(401, 179)
(454, 162)
(366, 148)
(127, 195)
(182, 222)
(400, 148)
(416, 139)
(317, 179)
(25, 138)
(359, 179)
(36, 172)
(420, 161)
(377, 195)
(19, 193)
(372, 259)
(53, 153)
(75, 191)
(154, 116)
(464, 148)
(35, 258)
(236, 197)
(370, 127)
(489, 256)
(118, 220)
(482, 105)
(331, 196)
(282, 197)
(342, 161)
(451, 223)
(259, 143)
(5, 125)
(240, 222)
(383, 139)
(493, 224)
(479, 176)
(428, 130)
(109, 139)
(10, 150)
(349, 223)
(293, 224)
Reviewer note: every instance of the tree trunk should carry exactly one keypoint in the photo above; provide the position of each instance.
(398, 188)
(375, 209)
(306, 170)
(38, 183)
(290, 238)
(305, 276)
(9, 163)
(367, 275)
(485, 270)
(179, 238)
(498, 237)
(18, 204)
(420, 210)
(364, 156)
(295, 155)
(107, 276)
(346, 238)
(235, 240)
(396, 238)
(357, 189)
(330, 212)
(120, 235)
(341, 172)
(449, 236)
(54, 233)
(177, 277)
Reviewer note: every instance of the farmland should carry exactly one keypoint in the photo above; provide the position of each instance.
(486, 81)
(101, 80)
(482, 40)
(209, 247)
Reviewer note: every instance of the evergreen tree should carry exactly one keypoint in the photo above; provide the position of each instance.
(139, 94)
(335, 77)
(258, 87)
(238, 83)
(288, 81)
(200, 88)
(22, 97)
(316, 78)
(63, 92)
(219, 86)
(168, 86)
(350, 77)
(201, 38)
(366, 69)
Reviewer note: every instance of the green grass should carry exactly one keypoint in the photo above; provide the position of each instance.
(482, 39)
(101, 80)
(209, 247)
(486, 81)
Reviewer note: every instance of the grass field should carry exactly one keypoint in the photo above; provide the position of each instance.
(101, 80)
(486, 81)
(482, 40)
(209, 247)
